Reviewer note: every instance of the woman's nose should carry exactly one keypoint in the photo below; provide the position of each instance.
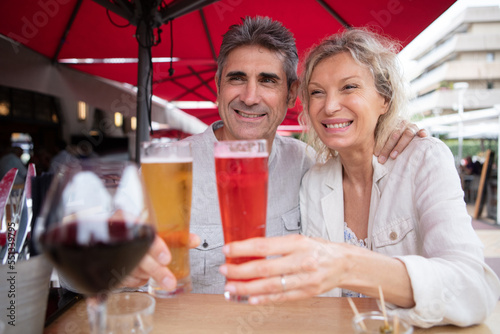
(332, 104)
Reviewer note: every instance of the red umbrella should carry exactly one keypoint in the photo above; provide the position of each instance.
(76, 29)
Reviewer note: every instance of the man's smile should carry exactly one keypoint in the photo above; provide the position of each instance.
(243, 114)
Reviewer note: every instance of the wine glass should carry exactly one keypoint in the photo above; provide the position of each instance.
(95, 226)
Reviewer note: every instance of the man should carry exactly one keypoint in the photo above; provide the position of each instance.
(12, 159)
(256, 83)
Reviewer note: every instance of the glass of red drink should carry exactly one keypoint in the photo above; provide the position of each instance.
(242, 172)
(95, 226)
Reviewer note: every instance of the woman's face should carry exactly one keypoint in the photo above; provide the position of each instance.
(344, 105)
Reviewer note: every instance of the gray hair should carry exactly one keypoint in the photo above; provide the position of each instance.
(265, 32)
(379, 55)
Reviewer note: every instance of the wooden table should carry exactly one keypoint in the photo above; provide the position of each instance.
(197, 313)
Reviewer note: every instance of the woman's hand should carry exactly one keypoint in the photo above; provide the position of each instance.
(154, 265)
(307, 267)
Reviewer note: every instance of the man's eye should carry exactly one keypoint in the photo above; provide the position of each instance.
(268, 80)
(235, 78)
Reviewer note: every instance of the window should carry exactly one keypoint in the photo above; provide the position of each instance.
(490, 57)
(4, 101)
(489, 85)
(22, 103)
(28, 106)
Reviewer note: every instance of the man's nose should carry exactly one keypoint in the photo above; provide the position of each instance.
(250, 94)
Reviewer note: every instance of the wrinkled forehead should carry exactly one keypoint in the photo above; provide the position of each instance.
(255, 58)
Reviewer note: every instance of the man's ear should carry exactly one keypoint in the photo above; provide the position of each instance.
(217, 88)
(216, 85)
(292, 94)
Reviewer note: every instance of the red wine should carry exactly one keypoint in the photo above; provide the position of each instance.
(95, 257)
(3, 239)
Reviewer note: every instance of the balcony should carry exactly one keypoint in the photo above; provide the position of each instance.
(469, 70)
(456, 45)
(447, 99)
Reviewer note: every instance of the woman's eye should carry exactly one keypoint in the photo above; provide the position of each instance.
(347, 87)
(315, 92)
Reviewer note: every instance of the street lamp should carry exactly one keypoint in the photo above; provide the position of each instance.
(460, 87)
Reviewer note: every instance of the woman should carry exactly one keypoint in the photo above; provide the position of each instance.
(402, 226)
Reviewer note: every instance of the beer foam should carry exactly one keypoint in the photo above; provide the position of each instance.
(162, 160)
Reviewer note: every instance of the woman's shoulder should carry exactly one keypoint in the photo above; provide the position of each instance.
(322, 171)
(428, 151)
(426, 144)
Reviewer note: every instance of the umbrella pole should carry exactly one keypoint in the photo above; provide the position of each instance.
(143, 91)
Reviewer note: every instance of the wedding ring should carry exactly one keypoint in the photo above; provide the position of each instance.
(283, 283)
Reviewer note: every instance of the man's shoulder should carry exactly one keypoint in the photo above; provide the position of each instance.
(205, 136)
(290, 144)
(194, 138)
(289, 141)
(293, 151)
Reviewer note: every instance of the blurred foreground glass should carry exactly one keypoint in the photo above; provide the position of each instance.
(130, 312)
(241, 172)
(167, 168)
(373, 323)
(95, 226)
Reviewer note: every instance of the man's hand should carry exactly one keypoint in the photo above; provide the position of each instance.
(398, 140)
(154, 265)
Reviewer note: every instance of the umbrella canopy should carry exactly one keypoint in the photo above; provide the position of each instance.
(89, 37)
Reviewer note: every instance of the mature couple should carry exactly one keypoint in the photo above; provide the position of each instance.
(401, 224)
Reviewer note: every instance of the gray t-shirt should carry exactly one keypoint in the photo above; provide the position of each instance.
(288, 162)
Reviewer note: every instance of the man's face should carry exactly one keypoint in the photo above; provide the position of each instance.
(253, 95)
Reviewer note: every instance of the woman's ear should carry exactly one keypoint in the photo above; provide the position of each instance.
(385, 106)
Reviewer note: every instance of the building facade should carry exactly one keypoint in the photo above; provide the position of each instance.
(466, 52)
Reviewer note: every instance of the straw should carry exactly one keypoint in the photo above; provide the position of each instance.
(383, 306)
(396, 324)
(356, 313)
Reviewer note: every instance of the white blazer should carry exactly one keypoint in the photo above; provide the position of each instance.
(417, 214)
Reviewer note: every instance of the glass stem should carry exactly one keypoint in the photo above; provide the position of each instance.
(96, 310)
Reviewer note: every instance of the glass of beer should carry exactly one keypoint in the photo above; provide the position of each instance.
(241, 172)
(167, 168)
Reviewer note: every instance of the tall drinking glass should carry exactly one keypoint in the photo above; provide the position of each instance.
(167, 168)
(242, 173)
(95, 226)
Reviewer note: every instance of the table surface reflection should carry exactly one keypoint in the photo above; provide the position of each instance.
(199, 313)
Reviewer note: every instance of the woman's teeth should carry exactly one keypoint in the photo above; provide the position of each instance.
(338, 125)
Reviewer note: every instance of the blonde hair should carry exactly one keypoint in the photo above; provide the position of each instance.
(377, 53)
